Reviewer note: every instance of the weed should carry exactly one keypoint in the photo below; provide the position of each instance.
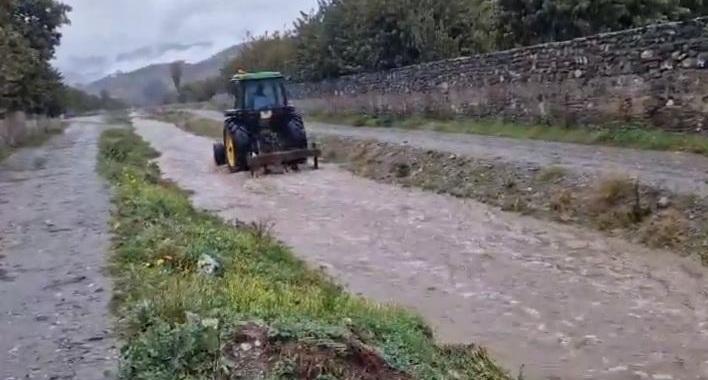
(551, 173)
(563, 203)
(612, 190)
(667, 229)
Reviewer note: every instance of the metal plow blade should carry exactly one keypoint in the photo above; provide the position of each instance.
(285, 159)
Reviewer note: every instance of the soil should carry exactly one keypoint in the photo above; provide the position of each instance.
(54, 209)
(255, 352)
(565, 302)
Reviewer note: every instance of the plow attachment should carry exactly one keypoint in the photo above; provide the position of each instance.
(285, 159)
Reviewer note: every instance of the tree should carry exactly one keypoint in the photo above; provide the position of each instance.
(176, 71)
(269, 52)
(345, 36)
(28, 38)
(525, 22)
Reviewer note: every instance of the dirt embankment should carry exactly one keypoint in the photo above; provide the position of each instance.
(568, 302)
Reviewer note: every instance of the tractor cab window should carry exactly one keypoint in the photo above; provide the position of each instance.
(263, 94)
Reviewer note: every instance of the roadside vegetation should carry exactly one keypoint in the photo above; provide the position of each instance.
(629, 136)
(197, 298)
(185, 121)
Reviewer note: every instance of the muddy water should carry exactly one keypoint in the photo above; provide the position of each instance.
(567, 303)
(54, 318)
(677, 172)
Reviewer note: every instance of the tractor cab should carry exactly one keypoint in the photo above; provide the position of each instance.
(260, 100)
(256, 92)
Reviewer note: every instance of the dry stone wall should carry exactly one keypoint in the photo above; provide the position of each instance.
(657, 75)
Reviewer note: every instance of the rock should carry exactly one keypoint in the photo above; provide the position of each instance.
(689, 63)
(208, 265)
(702, 60)
(647, 54)
(246, 347)
(663, 202)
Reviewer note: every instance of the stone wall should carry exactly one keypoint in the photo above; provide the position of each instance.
(657, 75)
(16, 128)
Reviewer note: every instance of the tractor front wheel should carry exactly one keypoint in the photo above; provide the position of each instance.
(219, 154)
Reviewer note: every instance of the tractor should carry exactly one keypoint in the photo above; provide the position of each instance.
(262, 130)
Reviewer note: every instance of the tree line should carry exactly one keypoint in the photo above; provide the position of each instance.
(29, 36)
(351, 36)
(345, 37)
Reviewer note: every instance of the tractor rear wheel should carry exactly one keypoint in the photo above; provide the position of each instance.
(295, 138)
(236, 145)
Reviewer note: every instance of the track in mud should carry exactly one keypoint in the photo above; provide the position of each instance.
(565, 302)
(54, 296)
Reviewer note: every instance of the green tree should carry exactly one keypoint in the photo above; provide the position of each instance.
(29, 36)
(176, 71)
(345, 36)
(525, 22)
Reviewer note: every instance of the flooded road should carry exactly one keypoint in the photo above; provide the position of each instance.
(567, 303)
(54, 209)
(675, 171)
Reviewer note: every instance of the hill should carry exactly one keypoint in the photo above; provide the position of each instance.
(149, 85)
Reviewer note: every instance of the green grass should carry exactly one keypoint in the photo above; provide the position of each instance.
(628, 136)
(159, 238)
(193, 124)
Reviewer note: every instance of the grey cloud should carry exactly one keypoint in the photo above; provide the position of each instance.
(136, 33)
(91, 60)
(156, 51)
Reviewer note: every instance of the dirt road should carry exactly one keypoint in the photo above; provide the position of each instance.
(677, 172)
(53, 241)
(568, 303)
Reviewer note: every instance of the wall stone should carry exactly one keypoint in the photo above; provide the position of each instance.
(657, 75)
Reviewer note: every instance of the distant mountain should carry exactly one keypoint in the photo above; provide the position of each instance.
(148, 85)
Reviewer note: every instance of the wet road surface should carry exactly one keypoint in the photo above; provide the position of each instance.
(54, 321)
(567, 303)
(674, 171)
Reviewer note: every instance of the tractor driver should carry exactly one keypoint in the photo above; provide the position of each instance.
(260, 100)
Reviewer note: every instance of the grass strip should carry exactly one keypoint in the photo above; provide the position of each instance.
(628, 136)
(180, 323)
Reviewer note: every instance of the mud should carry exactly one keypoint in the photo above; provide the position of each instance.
(567, 303)
(677, 172)
(54, 321)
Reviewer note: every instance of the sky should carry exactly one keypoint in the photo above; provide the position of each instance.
(106, 36)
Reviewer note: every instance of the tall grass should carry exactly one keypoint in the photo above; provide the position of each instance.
(159, 240)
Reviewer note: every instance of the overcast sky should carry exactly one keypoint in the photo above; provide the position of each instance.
(106, 35)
